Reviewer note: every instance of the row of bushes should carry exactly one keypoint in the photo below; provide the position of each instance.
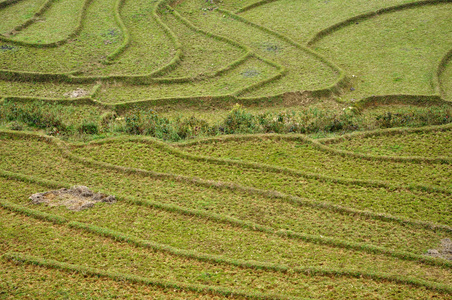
(60, 120)
(309, 121)
(55, 119)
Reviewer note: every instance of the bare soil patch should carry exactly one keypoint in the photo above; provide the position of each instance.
(445, 251)
(76, 198)
(77, 93)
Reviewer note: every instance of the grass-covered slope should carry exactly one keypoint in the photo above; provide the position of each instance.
(410, 44)
(204, 222)
(133, 99)
(161, 46)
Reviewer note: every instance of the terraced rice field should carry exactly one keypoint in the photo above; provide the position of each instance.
(361, 215)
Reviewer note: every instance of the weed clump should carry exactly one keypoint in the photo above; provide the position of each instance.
(32, 115)
(309, 121)
(88, 127)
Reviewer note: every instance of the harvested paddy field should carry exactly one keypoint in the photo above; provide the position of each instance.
(225, 149)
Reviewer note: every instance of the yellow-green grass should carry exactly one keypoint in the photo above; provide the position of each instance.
(301, 20)
(85, 53)
(446, 81)
(276, 213)
(69, 116)
(305, 156)
(15, 14)
(149, 157)
(409, 203)
(230, 82)
(101, 36)
(232, 5)
(216, 114)
(263, 216)
(202, 239)
(203, 55)
(55, 24)
(28, 281)
(305, 71)
(70, 245)
(43, 89)
(150, 48)
(394, 53)
(43, 239)
(398, 143)
(279, 216)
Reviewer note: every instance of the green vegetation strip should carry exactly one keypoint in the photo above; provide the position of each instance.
(50, 263)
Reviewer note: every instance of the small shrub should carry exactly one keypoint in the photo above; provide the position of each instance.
(15, 126)
(238, 120)
(34, 115)
(88, 128)
(191, 127)
(107, 118)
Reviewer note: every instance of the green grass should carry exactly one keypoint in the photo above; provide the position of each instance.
(337, 188)
(301, 20)
(202, 54)
(83, 54)
(27, 281)
(446, 80)
(41, 89)
(58, 22)
(15, 14)
(304, 156)
(151, 48)
(401, 38)
(234, 5)
(234, 80)
(426, 144)
(304, 71)
(72, 246)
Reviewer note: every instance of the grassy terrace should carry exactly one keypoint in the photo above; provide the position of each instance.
(256, 149)
(397, 143)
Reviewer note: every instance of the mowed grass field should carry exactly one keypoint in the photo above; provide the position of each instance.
(280, 149)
